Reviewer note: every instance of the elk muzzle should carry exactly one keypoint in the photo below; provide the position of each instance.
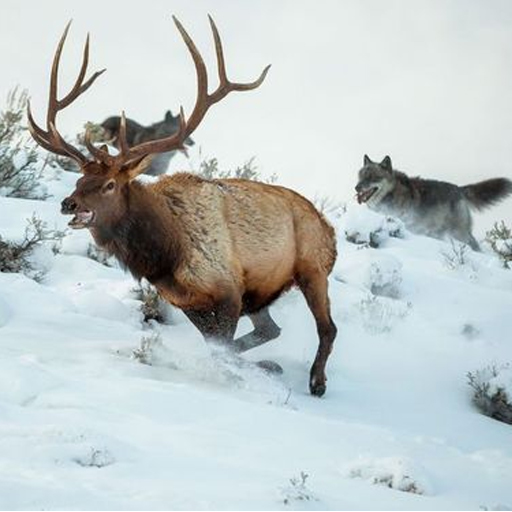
(68, 206)
(82, 217)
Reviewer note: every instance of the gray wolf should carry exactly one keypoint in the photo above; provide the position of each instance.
(434, 208)
(137, 134)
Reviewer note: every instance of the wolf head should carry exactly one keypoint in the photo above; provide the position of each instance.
(161, 129)
(136, 133)
(375, 181)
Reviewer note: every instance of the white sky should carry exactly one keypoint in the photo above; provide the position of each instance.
(427, 82)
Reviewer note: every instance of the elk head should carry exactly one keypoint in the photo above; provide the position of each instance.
(101, 194)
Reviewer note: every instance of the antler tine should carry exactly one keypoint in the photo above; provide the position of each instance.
(122, 135)
(53, 102)
(225, 85)
(79, 87)
(204, 100)
(67, 148)
(39, 135)
(98, 153)
(50, 139)
(202, 73)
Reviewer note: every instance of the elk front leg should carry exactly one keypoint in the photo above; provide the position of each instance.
(315, 291)
(218, 323)
(265, 329)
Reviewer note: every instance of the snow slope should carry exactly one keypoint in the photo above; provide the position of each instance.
(85, 425)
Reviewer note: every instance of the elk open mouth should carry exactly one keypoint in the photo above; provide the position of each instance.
(365, 195)
(81, 219)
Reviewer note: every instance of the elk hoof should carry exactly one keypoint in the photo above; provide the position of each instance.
(317, 388)
(270, 367)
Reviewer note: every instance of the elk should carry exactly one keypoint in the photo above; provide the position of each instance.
(216, 249)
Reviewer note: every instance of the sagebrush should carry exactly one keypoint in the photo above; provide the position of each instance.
(491, 399)
(500, 240)
(20, 163)
(15, 257)
(209, 169)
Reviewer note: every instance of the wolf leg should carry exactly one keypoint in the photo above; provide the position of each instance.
(473, 243)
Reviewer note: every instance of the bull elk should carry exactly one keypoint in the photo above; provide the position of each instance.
(216, 249)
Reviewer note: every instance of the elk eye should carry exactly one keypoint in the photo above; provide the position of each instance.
(109, 186)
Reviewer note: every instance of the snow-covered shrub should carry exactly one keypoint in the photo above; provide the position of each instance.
(469, 331)
(492, 391)
(297, 490)
(153, 307)
(209, 169)
(20, 165)
(149, 345)
(95, 458)
(457, 256)
(101, 256)
(17, 256)
(370, 229)
(394, 472)
(330, 207)
(385, 276)
(500, 240)
(380, 314)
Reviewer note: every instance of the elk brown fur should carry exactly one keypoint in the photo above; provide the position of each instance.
(216, 249)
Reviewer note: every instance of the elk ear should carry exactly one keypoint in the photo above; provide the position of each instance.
(366, 160)
(386, 164)
(136, 167)
(168, 117)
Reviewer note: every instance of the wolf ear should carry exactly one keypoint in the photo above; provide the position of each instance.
(168, 117)
(386, 164)
(366, 160)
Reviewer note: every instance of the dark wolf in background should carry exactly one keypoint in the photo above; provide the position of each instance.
(428, 207)
(136, 134)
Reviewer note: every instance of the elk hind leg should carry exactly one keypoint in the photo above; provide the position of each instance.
(265, 329)
(314, 289)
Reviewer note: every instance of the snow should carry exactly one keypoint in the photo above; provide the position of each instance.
(85, 424)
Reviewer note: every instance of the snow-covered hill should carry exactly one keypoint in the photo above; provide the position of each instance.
(85, 425)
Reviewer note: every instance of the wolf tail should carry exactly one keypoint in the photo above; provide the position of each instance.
(487, 193)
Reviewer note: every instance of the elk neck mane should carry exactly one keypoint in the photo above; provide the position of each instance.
(145, 240)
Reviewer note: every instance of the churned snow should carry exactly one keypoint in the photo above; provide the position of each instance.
(84, 424)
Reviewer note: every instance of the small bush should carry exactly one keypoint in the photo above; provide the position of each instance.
(149, 345)
(16, 256)
(500, 240)
(100, 255)
(457, 256)
(491, 394)
(95, 459)
(20, 169)
(209, 169)
(385, 276)
(380, 314)
(297, 490)
(374, 238)
(153, 307)
(330, 207)
(397, 473)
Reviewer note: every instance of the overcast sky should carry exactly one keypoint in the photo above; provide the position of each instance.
(427, 82)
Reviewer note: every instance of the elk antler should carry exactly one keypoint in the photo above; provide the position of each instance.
(203, 102)
(50, 139)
